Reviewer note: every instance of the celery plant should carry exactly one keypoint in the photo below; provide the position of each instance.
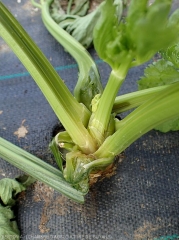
(93, 136)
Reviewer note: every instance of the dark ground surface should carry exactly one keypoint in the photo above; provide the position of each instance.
(140, 202)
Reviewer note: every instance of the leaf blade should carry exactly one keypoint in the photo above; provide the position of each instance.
(9, 188)
(7, 226)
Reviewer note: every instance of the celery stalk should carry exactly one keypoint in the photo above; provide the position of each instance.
(132, 100)
(88, 71)
(161, 108)
(99, 122)
(38, 169)
(67, 109)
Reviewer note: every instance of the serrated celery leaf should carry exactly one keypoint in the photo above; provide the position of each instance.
(9, 188)
(172, 125)
(172, 54)
(8, 227)
(82, 28)
(158, 74)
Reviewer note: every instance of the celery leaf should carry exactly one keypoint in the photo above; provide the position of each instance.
(172, 54)
(76, 21)
(158, 74)
(80, 7)
(172, 125)
(146, 30)
(81, 28)
(8, 227)
(109, 35)
(9, 188)
(149, 27)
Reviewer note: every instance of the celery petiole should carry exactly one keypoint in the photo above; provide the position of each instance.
(132, 100)
(88, 72)
(71, 113)
(38, 169)
(99, 122)
(147, 116)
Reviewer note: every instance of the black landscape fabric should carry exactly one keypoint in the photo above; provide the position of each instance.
(141, 201)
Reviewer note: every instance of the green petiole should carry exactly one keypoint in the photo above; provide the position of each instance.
(146, 117)
(99, 123)
(38, 169)
(72, 114)
(88, 71)
(132, 100)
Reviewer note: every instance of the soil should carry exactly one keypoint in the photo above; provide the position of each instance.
(43, 193)
(146, 231)
(4, 48)
(55, 204)
(21, 131)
